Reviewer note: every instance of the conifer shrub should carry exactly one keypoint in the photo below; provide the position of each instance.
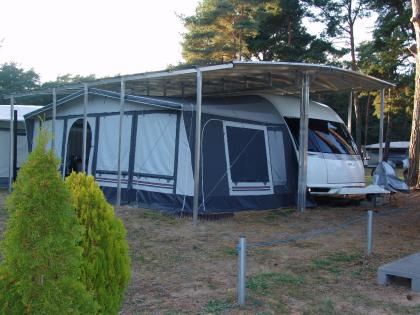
(41, 268)
(106, 264)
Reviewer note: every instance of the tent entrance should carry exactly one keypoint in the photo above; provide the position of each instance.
(75, 147)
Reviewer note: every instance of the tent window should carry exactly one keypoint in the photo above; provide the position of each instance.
(247, 154)
(155, 147)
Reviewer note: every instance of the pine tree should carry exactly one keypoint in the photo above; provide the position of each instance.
(40, 272)
(106, 264)
(219, 30)
(414, 170)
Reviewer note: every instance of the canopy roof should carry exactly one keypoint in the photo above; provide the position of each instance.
(236, 77)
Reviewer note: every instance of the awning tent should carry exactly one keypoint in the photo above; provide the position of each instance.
(231, 78)
(21, 141)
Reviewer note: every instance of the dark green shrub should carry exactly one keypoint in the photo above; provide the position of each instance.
(106, 264)
(41, 268)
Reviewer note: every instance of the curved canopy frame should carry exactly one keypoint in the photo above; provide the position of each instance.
(236, 77)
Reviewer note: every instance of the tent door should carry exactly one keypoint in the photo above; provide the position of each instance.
(75, 147)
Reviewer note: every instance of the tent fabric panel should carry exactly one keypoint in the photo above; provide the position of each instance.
(37, 126)
(108, 143)
(180, 204)
(58, 136)
(155, 144)
(249, 107)
(185, 178)
(214, 181)
(29, 126)
(22, 153)
(4, 161)
(22, 150)
(97, 105)
(153, 184)
(90, 151)
(277, 157)
(111, 180)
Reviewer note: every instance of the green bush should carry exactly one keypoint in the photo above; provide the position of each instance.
(41, 268)
(106, 264)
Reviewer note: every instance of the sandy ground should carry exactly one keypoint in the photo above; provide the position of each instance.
(181, 269)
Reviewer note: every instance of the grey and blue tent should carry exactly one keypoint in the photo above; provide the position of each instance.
(248, 158)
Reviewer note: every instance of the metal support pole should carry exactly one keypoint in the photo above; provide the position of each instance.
(122, 101)
(349, 112)
(54, 115)
(303, 142)
(15, 128)
(381, 127)
(369, 232)
(85, 104)
(12, 108)
(197, 146)
(241, 270)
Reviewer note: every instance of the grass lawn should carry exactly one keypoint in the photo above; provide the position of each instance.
(179, 269)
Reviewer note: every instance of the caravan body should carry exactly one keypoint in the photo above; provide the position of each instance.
(333, 159)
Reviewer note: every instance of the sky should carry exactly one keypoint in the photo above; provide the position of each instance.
(101, 37)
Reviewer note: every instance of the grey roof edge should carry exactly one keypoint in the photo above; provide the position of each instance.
(150, 101)
(313, 66)
(193, 70)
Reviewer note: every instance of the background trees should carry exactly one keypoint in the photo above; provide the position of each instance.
(15, 79)
(225, 30)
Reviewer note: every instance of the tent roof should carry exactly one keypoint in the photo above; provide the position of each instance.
(231, 78)
(21, 109)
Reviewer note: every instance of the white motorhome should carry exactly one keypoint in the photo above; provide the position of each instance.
(333, 159)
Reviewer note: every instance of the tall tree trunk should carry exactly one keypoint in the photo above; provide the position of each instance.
(356, 102)
(289, 32)
(388, 137)
(414, 169)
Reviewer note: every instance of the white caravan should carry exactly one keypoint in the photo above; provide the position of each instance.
(333, 159)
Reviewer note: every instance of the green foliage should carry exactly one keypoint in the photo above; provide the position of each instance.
(15, 79)
(106, 264)
(217, 307)
(40, 273)
(218, 31)
(282, 36)
(69, 78)
(265, 282)
(225, 30)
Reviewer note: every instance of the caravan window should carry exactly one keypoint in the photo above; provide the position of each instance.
(247, 154)
(324, 136)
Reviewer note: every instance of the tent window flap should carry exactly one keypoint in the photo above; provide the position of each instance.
(247, 158)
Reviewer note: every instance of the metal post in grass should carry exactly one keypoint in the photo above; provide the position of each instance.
(241, 270)
(122, 104)
(11, 163)
(85, 105)
(369, 232)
